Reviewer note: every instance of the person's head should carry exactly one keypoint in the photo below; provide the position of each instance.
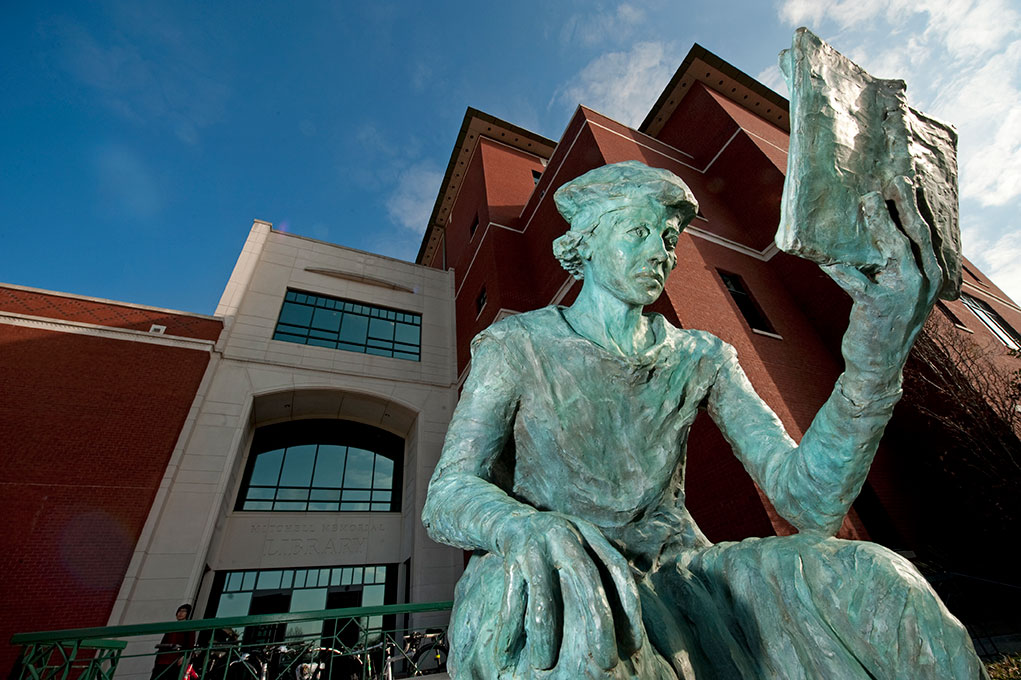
(625, 219)
(183, 612)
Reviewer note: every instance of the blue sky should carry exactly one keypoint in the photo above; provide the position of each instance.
(140, 139)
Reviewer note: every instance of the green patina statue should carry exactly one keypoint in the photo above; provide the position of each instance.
(563, 470)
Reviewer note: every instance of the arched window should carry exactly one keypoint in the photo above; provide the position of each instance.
(323, 466)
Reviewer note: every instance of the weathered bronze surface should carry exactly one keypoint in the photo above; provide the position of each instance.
(563, 470)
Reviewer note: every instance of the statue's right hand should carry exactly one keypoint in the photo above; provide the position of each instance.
(554, 592)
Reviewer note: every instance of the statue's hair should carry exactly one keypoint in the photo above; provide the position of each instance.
(584, 200)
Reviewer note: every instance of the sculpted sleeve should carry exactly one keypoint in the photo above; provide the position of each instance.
(464, 507)
(813, 484)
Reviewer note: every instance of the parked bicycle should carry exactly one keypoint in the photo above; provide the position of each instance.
(420, 654)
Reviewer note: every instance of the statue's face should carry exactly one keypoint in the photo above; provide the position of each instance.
(631, 252)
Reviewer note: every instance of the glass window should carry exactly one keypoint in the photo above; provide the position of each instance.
(277, 591)
(341, 324)
(322, 466)
(1003, 331)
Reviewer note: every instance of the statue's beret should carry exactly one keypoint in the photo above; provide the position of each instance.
(610, 186)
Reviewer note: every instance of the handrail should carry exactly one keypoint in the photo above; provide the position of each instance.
(93, 635)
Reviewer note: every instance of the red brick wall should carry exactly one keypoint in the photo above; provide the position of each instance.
(87, 426)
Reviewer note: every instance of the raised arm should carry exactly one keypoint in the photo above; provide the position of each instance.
(813, 484)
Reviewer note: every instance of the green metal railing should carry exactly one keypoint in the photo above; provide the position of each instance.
(332, 644)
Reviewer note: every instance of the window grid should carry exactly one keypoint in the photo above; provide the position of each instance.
(335, 323)
(347, 496)
(293, 579)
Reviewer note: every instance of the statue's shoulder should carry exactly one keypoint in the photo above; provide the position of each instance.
(694, 341)
(539, 321)
(524, 327)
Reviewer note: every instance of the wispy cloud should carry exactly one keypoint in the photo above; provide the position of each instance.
(602, 27)
(125, 183)
(411, 201)
(143, 69)
(622, 85)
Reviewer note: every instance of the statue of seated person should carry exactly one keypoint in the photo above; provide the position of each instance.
(563, 469)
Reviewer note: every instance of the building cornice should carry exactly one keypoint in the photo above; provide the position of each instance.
(476, 125)
(107, 332)
(703, 66)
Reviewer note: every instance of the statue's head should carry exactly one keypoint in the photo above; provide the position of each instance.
(615, 195)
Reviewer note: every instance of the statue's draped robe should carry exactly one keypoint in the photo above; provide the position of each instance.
(551, 421)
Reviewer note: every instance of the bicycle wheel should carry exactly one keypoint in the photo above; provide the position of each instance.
(432, 659)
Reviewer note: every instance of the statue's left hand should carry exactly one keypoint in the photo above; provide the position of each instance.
(892, 301)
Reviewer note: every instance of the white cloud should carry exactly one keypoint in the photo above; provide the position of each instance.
(622, 85)
(773, 78)
(1003, 264)
(962, 62)
(411, 201)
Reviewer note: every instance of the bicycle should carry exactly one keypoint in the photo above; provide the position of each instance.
(425, 652)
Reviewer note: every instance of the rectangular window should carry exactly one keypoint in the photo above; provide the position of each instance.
(1003, 331)
(750, 309)
(536, 174)
(322, 321)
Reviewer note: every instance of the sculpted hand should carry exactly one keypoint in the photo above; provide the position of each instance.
(555, 570)
(892, 302)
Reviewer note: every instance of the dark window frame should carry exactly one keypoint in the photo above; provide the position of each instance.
(349, 325)
(480, 301)
(751, 310)
(269, 439)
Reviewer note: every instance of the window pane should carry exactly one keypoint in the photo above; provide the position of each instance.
(325, 495)
(326, 319)
(249, 581)
(297, 470)
(268, 580)
(234, 581)
(233, 604)
(329, 466)
(381, 329)
(258, 505)
(306, 601)
(286, 494)
(295, 315)
(358, 474)
(267, 468)
(372, 596)
(261, 492)
(354, 328)
(381, 496)
(323, 506)
(376, 351)
(356, 495)
(345, 577)
(383, 477)
(354, 507)
(287, 580)
(290, 505)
